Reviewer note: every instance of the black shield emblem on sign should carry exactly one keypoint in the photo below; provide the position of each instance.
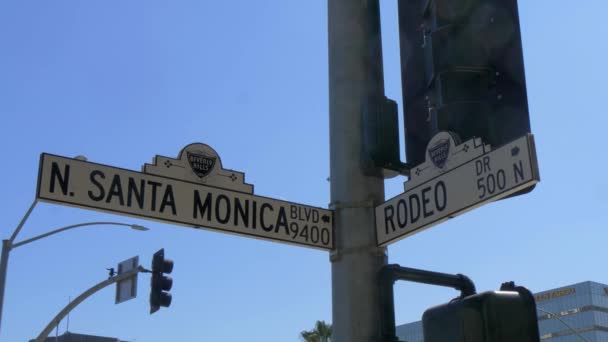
(440, 152)
(200, 163)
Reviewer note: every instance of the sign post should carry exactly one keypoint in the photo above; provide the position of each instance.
(355, 82)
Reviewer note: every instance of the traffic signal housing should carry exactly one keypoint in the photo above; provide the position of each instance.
(160, 283)
(462, 71)
(381, 135)
(497, 316)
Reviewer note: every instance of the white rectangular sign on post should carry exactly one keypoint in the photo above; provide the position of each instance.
(94, 186)
(451, 190)
(127, 289)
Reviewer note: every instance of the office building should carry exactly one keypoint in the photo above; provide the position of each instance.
(72, 337)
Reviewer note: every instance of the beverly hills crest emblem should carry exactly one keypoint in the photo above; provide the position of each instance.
(440, 152)
(441, 148)
(200, 163)
(443, 153)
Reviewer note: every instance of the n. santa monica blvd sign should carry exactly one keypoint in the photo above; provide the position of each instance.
(455, 179)
(192, 190)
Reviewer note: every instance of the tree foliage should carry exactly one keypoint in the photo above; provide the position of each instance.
(320, 333)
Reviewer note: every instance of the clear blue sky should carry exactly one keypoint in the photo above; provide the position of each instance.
(123, 81)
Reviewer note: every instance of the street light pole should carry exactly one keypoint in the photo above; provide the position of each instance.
(355, 78)
(6, 248)
(8, 245)
(72, 304)
(59, 230)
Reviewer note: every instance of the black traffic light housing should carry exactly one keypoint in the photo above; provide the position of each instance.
(498, 316)
(507, 315)
(380, 126)
(160, 283)
(462, 71)
(381, 136)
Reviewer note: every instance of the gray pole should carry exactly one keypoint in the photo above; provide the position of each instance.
(6, 248)
(7, 245)
(86, 294)
(353, 79)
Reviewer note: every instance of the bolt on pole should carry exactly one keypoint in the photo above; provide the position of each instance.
(355, 79)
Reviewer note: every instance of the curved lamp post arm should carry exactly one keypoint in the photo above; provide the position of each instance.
(59, 230)
(8, 245)
(25, 217)
(45, 332)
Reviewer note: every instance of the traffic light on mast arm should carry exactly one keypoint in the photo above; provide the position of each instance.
(160, 283)
(462, 71)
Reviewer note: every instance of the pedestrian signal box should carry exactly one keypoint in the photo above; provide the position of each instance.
(496, 316)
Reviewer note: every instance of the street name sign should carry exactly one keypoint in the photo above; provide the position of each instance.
(455, 179)
(127, 288)
(192, 190)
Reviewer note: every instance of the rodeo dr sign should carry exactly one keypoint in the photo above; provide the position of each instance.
(456, 178)
(192, 190)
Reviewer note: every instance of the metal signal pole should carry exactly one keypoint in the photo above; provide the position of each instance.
(355, 84)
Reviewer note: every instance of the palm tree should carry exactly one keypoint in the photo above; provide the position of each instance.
(310, 336)
(321, 333)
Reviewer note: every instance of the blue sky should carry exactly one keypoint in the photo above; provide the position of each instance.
(123, 81)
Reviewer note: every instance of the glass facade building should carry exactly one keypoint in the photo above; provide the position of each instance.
(574, 313)
(410, 332)
(568, 313)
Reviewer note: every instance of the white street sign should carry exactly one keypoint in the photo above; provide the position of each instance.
(192, 190)
(127, 288)
(455, 179)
